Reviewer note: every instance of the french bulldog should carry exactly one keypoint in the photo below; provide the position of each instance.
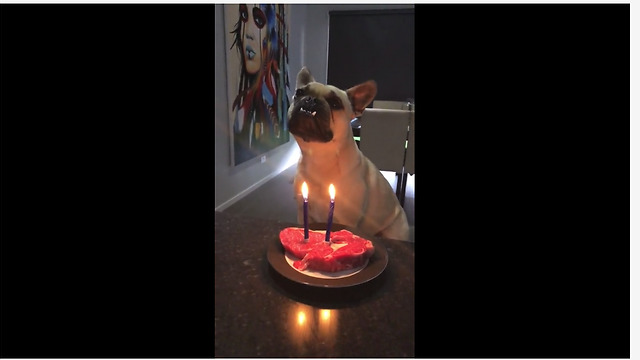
(319, 118)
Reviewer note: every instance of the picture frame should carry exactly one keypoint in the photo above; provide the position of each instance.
(257, 78)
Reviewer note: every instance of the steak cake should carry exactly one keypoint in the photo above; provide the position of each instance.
(344, 251)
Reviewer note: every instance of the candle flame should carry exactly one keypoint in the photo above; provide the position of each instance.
(332, 192)
(305, 190)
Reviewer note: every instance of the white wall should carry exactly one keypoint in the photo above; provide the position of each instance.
(308, 35)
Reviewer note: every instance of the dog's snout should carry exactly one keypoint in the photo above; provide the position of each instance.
(309, 101)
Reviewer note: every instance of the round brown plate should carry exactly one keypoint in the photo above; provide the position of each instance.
(377, 264)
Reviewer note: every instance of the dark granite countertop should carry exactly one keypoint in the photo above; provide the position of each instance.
(259, 313)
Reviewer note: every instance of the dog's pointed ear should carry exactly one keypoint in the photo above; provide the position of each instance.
(362, 95)
(304, 77)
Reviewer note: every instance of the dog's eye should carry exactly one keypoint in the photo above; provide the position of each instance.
(334, 102)
(299, 92)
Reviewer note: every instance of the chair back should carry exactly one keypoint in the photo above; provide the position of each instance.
(409, 163)
(391, 104)
(383, 137)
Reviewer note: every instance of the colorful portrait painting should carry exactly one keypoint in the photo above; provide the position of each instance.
(258, 78)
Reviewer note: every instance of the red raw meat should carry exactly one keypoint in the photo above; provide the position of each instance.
(317, 255)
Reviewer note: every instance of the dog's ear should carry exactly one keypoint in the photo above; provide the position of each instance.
(362, 95)
(304, 77)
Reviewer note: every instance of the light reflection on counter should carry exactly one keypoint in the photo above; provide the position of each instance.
(309, 326)
(328, 326)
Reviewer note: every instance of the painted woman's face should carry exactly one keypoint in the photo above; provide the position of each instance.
(254, 33)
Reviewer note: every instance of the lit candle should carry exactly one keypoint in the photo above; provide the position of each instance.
(305, 207)
(332, 193)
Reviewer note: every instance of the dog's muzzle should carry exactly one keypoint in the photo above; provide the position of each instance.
(310, 119)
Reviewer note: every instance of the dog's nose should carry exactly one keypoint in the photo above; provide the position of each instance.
(309, 101)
